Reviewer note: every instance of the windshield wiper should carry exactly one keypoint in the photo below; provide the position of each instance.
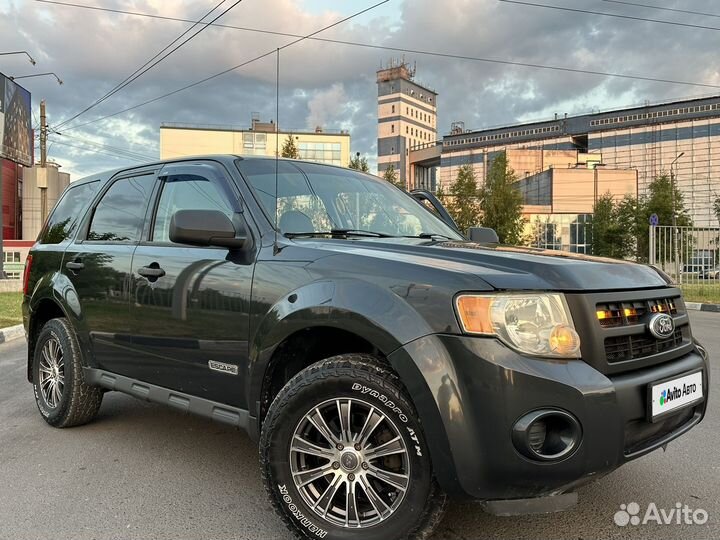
(340, 232)
(429, 236)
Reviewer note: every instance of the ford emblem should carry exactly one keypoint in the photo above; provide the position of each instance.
(662, 326)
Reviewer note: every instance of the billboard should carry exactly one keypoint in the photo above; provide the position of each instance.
(16, 139)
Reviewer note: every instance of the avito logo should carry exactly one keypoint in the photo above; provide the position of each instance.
(675, 393)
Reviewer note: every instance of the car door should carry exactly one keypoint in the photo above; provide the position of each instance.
(98, 265)
(190, 306)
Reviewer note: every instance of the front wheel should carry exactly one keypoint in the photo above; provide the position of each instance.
(344, 455)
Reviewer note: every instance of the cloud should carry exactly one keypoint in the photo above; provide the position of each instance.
(327, 105)
(333, 84)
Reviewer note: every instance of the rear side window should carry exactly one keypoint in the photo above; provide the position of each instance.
(67, 214)
(120, 214)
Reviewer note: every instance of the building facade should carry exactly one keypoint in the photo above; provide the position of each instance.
(407, 118)
(41, 189)
(647, 139)
(261, 139)
(11, 175)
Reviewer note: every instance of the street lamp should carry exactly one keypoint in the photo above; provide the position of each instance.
(32, 61)
(674, 217)
(59, 80)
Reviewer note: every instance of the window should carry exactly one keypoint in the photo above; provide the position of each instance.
(67, 214)
(393, 109)
(11, 256)
(247, 140)
(392, 128)
(120, 214)
(186, 192)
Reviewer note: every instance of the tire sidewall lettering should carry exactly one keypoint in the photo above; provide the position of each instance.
(382, 398)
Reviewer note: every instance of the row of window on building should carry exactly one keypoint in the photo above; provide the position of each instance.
(321, 152)
(499, 136)
(11, 257)
(415, 113)
(657, 114)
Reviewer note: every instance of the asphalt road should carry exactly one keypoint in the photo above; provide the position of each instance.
(143, 471)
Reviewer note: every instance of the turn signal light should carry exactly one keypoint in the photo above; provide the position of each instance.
(474, 313)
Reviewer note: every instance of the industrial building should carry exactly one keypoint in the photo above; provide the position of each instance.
(648, 139)
(407, 118)
(261, 139)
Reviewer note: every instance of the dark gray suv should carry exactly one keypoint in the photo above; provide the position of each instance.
(383, 361)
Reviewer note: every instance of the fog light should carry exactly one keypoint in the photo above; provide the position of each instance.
(547, 435)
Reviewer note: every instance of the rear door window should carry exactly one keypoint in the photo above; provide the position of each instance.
(120, 214)
(64, 220)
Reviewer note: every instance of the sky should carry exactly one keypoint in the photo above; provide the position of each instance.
(331, 84)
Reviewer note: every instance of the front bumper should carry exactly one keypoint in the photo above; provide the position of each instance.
(472, 390)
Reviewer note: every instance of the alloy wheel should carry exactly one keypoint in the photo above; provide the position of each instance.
(349, 462)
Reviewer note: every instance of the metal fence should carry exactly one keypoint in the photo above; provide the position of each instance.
(690, 255)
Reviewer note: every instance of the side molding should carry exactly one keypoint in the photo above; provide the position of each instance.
(158, 394)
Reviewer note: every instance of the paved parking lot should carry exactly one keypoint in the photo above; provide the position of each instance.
(145, 471)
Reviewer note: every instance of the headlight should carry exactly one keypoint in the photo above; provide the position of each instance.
(538, 324)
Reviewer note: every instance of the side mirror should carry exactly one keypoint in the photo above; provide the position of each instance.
(483, 235)
(205, 228)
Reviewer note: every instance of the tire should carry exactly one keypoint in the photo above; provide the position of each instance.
(356, 387)
(75, 403)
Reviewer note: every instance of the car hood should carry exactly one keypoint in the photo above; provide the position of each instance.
(507, 267)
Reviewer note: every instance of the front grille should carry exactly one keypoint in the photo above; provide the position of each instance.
(615, 314)
(622, 348)
(613, 328)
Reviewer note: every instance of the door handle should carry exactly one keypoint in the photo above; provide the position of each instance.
(74, 265)
(151, 272)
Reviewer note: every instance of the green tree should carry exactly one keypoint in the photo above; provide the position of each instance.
(359, 163)
(462, 199)
(289, 150)
(716, 206)
(613, 227)
(501, 202)
(391, 175)
(662, 198)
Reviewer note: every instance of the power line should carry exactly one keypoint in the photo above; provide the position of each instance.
(97, 151)
(154, 61)
(362, 45)
(660, 8)
(604, 14)
(219, 74)
(127, 151)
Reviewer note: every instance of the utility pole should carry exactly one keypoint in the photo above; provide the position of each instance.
(43, 161)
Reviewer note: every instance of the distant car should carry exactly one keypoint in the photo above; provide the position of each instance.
(711, 273)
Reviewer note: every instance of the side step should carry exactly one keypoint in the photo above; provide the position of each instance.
(178, 400)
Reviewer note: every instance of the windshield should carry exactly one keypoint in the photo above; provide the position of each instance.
(320, 199)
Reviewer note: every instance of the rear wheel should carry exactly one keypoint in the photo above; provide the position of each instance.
(344, 455)
(62, 396)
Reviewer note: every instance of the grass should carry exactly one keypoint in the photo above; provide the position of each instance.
(709, 293)
(10, 313)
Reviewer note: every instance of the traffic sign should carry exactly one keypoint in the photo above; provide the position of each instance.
(654, 220)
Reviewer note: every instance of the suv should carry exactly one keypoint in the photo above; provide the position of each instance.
(383, 361)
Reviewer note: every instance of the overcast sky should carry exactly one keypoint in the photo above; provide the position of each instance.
(334, 85)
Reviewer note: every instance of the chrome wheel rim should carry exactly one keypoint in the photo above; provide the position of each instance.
(52, 372)
(349, 463)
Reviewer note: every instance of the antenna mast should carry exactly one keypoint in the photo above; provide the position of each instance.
(276, 249)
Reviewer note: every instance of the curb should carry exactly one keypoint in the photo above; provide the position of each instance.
(697, 306)
(12, 332)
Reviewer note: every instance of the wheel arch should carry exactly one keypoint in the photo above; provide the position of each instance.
(44, 310)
